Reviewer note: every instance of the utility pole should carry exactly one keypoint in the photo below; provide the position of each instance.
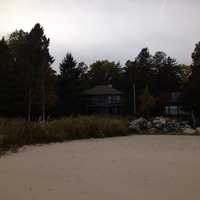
(134, 97)
(132, 77)
(43, 84)
(43, 103)
(193, 119)
(29, 104)
(134, 86)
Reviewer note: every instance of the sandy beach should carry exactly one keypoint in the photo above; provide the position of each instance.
(124, 168)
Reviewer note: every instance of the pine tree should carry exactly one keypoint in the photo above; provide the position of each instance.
(70, 85)
(40, 69)
(191, 96)
(18, 47)
(143, 69)
(7, 78)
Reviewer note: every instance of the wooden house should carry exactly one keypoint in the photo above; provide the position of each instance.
(102, 99)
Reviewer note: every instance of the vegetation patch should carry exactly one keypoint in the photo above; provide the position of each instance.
(15, 133)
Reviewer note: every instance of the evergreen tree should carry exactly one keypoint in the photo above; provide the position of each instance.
(27, 79)
(144, 58)
(143, 69)
(68, 70)
(40, 70)
(191, 96)
(167, 75)
(70, 85)
(18, 47)
(159, 59)
(7, 80)
(32, 66)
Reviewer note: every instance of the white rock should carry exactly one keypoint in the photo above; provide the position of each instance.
(159, 120)
(189, 131)
(138, 124)
(138, 121)
(134, 127)
(149, 125)
(158, 125)
(198, 129)
(152, 130)
(163, 120)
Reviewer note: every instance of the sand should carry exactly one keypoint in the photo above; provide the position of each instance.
(124, 168)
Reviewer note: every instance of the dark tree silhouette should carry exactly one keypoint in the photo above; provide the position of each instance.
(26, 67)
(104, 73)
(167, 73)
(70, 84)
(7, 80)
(191, 96)
(30, 87)
(40, 61)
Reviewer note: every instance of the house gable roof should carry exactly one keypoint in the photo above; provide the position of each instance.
(101, 90)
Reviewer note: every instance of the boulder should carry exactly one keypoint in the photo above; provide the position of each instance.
(152, 130)
(162, 125)
(160, 120)
(187, 126)
(158, 125)
(138, 124)
(189, 131)
(198, 129)
(149, 124)
(184, 124)
(172, 126)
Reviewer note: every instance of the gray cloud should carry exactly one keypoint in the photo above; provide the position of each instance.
(112, 29)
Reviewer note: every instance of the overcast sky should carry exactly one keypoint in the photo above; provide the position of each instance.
(108, 29)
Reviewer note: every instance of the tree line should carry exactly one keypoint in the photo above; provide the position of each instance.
(29, 87)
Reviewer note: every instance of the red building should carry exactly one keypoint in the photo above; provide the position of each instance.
(169, 103)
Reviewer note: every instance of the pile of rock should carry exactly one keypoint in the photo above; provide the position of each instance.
(162, 125)
(138, 124)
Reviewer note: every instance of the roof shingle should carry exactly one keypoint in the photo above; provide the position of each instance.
(101, 90)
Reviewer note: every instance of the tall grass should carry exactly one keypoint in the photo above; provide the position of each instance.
(18, 132)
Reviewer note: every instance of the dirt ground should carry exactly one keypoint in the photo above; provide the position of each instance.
(124, 168)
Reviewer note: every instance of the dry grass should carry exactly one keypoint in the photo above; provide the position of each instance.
(18, 132)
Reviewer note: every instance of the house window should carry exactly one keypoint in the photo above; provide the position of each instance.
(171, 110)
(109, 99)
(115, 110)
(175, 96)
(116, 99)
(174, 110)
